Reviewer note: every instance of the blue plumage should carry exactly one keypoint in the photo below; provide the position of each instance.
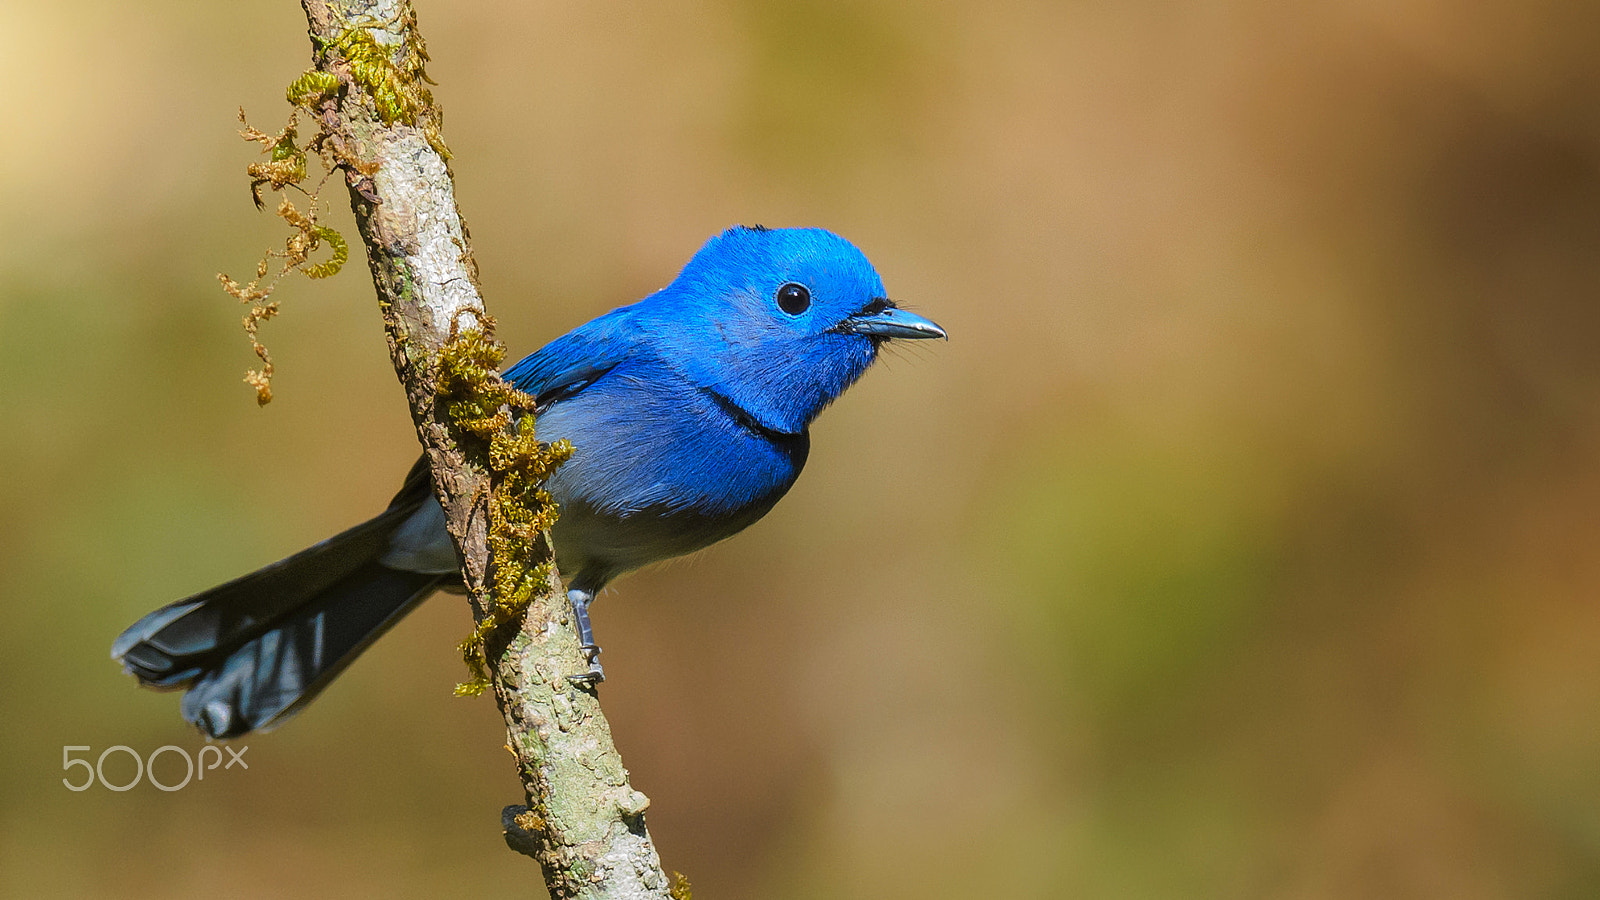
(688, 409)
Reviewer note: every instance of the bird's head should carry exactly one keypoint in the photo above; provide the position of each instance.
(779, 321)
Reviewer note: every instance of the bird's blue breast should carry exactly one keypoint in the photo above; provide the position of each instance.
(662, 468)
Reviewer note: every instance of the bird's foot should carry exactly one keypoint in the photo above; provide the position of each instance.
(596, 673)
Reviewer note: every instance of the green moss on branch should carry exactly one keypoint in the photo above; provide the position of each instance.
(496, 420)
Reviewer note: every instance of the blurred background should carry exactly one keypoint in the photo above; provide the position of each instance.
(1240, 542)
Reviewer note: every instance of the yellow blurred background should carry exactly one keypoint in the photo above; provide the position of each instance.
(1240, 543)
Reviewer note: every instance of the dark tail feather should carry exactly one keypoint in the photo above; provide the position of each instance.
(253, 651)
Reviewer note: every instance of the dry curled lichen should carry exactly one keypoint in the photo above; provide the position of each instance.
(285, 168)
(488, 409)
(285, 165)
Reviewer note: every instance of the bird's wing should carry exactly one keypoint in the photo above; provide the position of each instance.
(577, 359)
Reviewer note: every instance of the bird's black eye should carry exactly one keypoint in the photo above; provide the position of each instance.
(794, 299)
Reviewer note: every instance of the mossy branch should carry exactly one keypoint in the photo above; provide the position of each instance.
(500, 417)
(380, 126)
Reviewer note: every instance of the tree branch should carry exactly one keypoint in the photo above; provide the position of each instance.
(583, 821)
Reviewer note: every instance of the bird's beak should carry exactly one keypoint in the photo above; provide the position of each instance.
(892, 322)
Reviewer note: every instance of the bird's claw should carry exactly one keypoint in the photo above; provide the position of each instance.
(596, 673)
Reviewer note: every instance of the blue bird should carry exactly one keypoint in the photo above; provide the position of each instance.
(689, 413)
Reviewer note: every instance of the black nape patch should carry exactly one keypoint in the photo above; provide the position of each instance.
(755, 228)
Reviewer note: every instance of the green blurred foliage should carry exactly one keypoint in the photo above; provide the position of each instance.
(1238, 544)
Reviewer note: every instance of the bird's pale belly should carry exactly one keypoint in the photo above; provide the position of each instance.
(653, 477)
(593, 547)
(621, 508)
(592, 544)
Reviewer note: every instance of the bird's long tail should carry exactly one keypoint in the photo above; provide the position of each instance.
(255, 650)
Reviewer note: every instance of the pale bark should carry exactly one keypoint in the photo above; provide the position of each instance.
(582, 821)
